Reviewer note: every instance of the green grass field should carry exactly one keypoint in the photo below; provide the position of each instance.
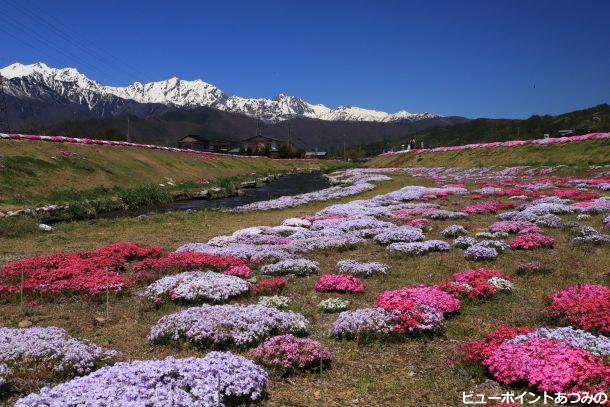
(417, 371)
(593, 152)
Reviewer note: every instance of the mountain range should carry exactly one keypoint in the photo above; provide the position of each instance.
(66, 102)
(68, 87)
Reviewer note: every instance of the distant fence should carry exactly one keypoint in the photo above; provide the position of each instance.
(514, 143)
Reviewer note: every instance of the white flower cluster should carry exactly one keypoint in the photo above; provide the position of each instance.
(501, 284)
(275, 301)
(333, 305)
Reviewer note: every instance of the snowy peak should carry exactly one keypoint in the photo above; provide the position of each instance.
(29, 81)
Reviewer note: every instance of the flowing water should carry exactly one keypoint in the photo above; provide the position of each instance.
(293, 184)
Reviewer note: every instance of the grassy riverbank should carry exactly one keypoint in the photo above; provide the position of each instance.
(592, 152)
(35, 173)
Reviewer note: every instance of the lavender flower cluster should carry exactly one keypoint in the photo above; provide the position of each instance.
(480, 252)
(51, 348)
(357, 268)
(364, 322)
(156, 383)
(587, 235)
(220, 325)
(542, 212)
(406, 234)
(596, 344)
(419, 248)
(299, 267)
(340, 226)
(197, 286)
(454, 231)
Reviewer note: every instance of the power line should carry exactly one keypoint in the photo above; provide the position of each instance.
(79, 41)
(50, 44)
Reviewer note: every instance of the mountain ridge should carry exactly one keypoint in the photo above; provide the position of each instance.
(39, 82)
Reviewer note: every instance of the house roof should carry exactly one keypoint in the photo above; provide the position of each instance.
(316, 153)
(261, 136)
(195, 136)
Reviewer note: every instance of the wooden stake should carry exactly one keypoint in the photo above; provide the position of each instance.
(107, 297)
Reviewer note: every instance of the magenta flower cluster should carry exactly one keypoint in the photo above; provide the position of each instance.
(339, 283)
(288, 353)
(528, 241)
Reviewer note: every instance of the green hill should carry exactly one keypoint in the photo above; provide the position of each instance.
(592, 152)
(595, 119)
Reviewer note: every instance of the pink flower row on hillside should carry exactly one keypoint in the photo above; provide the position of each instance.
(514, 143)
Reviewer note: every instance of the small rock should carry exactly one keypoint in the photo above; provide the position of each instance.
(252, 280)
(101, 320)
(45, 228)
(142, 217)
(25, 324)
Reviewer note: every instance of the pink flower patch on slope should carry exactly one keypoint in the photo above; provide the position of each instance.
(586, 306)
(529, 241)
(549, 366)
(339, 283)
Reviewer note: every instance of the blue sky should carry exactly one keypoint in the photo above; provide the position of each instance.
(469, 58)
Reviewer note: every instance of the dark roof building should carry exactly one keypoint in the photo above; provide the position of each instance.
(259, 144)
(202, 143)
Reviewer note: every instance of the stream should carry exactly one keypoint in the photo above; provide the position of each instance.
(293, 184)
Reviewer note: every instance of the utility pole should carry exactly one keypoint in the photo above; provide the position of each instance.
(128, 128)
(5, 126)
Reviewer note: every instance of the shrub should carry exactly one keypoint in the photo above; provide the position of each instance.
(529, 241)
(537, 362)
(366, 322)
(87, 272)
(340, 283)
(333, 305)
(287, 353)
(269, 286)
(533, 267)
(223, 325)
(49, 351)
(454, 231)
(419, 248)
(184, 261)
(478, 351)
(586, 306)
(171, 381)
(275, 301)
(401, 234)
(481, 283)
(299, 267)
(361, 269)
(194, 286)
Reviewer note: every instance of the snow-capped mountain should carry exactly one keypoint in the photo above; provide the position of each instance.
(41, 83)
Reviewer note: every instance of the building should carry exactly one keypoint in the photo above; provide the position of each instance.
(260, 144)
(316, 154)
(202, 143)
